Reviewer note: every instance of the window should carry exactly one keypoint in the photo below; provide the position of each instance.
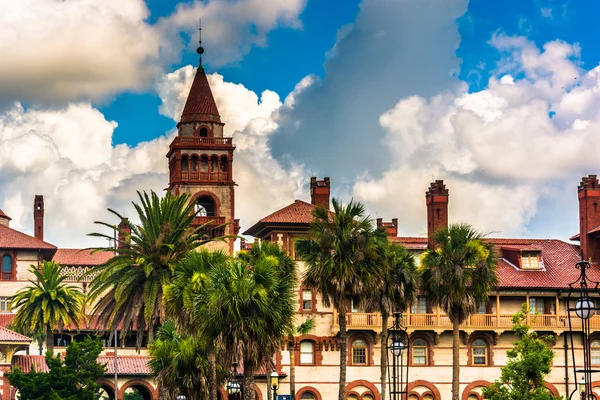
(62, 340)
(214, 165)
(194, 163)
(4, 304)
(355, 305)
(223, 165)
(595, 350)
(307, 352)
(419, 306)
(530, 260)
(359, 352)
(203, 164)
(205, 207)
(203, 132)
(419, 352)
(481, 308)
(308, 396)
(536, 305)
(306, 300)
(184, 164)
(480, 352)
(7, 267)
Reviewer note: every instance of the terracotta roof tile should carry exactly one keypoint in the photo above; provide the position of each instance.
(80, 257)
(200, 104)
(299, 212)
(126, 365)
(6, 335)
(559, 260)
(10, 238)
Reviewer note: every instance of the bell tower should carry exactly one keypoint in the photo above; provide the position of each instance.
(201, 162)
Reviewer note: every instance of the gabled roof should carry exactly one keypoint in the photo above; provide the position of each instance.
(299, 212)
(200, 105)
(6, 335)
(126, 365)
(559, 260)
(3, 215)
(79, 257)
(10, 238)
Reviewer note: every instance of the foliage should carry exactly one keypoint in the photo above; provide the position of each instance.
(47, 302)
(128, 289)
(522, 378)
(133, 396)
(341, 261)
(73, 378)
(303, 329)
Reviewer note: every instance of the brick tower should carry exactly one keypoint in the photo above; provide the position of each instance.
(201, 161)
(437, 210)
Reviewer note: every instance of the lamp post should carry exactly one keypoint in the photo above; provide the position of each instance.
(234, 386)
(181, 397)
(274, 383)
(580, 309)
(397, 346)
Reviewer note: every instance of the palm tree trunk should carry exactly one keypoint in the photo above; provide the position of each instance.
(343, 346)
(455, 358)
(248, 382)
(49, 339)
(292, 369)
(212, 370)
(384, 333)
(268, 371)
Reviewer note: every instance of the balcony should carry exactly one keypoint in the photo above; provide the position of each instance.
(188, 142)
(439, 322)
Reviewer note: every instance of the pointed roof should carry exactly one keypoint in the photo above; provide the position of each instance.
(6, 335)
(200, 105)
(2, 215)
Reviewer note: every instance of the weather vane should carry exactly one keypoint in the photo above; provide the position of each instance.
(200, 49)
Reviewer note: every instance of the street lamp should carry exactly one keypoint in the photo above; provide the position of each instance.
(234, 386)
(181, 397)
(274, 383)
(582, 293)
(397, 345)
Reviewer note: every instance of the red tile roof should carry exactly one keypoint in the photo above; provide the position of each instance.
(10, 238)
(81, 257)
(200, 105)
(6, 319)
(2, 215)
(559, 259)
(6, 335)
(126, 365)
(299, 212)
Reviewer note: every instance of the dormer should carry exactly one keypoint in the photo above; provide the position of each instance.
(525, 257)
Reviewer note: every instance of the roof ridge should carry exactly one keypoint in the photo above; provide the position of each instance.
(28, 237)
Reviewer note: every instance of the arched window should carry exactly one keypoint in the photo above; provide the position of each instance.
(205, 207)
(204, 168)
(480, 352)
(308, 396)
(203, 132)
(352, 397)
(184, 164)
(194, 163)
(595, 350)
(223, 168)
(214, 168)
(419, 352)
(7, 267)
(359, 352)
(307, 352)
(367, 396)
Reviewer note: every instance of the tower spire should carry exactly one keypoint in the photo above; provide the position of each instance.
(200, 49)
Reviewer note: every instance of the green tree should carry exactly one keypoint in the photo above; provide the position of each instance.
(340, 258)
(248, 309)
(394, 291)
(47, 303)
(127, 290)
(189, 280)
(457, 276)
(302, 329)
(522, 378)
(133, 396)
(73, 378)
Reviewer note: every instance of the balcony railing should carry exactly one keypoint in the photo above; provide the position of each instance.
(195, 141)
(441, 322)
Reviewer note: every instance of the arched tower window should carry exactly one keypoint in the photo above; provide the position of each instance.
(205, 206)
(203, 132)
(223, 168)
(204, 168)
(214, 168)
(360, 351)
(419, 352)
(7, 267)
(480, 352)
(185, 167)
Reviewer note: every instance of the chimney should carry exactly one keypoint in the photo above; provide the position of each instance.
(38, 217)
(319, 192)
(391, 228)
(588, 193)
(437, 210)
(4, 219)
(123, 234)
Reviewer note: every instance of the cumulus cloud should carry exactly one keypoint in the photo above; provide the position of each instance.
(504, 150)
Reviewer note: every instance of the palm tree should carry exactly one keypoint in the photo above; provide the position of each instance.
(299, 330)
(341, 258)
(248, 309)
(190, 278)
(393, 291)
(457, 276)
(127, 290)
(47, 303)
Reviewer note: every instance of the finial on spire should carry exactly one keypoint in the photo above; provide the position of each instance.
(200, 49)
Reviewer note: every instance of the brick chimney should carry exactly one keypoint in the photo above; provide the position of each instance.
(123, 230)
(320, 191)
(588, 193)
(391, 228)
(38, 217)
(437, 210)
(4, 219)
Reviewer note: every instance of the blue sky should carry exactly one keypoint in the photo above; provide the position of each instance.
(498, 98)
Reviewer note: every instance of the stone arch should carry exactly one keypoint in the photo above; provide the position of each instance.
(471, 386)
(370, 346)
(365, 383)
(552, 389)
(258, 392)
(201, 193)
(152, 393)
(311, 389)
(432, 388)
(108, 387)
(430, 348)
(490, 350)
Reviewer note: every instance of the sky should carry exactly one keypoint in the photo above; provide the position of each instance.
(499, 99)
